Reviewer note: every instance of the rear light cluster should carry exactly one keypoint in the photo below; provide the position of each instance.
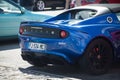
(21, 30)
(43, 32)
(63, 34)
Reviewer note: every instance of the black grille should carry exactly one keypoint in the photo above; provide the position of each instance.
(43, 32)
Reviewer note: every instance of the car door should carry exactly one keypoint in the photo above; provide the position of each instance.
(10, 18)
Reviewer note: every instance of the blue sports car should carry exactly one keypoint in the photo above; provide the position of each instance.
(86, 36)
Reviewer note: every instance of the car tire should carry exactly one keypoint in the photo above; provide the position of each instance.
(97, 57)
(39, 5)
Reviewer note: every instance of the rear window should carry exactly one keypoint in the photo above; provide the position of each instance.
(83, 14)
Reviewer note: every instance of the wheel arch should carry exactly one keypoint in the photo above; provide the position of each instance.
(111, 44)
(84, 62)
(100, 37)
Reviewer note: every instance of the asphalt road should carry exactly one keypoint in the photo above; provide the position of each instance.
(12, 67)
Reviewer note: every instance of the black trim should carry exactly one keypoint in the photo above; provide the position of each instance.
(42, 32)
(44, 57)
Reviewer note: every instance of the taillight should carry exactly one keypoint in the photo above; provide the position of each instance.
(63, 34)
(21, 30)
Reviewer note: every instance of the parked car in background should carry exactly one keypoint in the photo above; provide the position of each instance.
(11, 16)
(53, 4)
(87, 36)
(84, 2)
(40, 5)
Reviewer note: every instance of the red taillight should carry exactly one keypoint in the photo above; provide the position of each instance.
(63, 34)
(21, 30)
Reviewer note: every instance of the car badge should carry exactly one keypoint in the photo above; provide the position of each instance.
(36, 27)
(61, 43)
(109, 19)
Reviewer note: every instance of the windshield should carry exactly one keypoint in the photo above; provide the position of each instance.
(7, 7)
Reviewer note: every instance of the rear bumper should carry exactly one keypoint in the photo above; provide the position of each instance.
(44, 58)
(65, 50)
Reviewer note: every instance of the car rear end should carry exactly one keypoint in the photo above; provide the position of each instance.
(48, 42)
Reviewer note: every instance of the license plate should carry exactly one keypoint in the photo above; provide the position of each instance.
(37, 46)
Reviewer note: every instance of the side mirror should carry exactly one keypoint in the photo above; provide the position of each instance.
(22, 10)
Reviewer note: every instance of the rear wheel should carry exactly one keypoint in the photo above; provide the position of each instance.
(97, 58)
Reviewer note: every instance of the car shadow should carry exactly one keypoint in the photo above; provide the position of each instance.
(72, 72)
(53, 71)
(9, 44)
